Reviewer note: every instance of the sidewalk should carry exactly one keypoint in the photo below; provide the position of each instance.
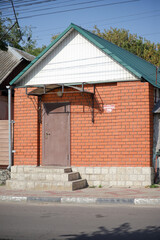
(86, 196)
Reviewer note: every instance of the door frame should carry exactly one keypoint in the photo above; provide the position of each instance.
(43, 132)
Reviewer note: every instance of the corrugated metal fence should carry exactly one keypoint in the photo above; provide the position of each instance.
(4, 153)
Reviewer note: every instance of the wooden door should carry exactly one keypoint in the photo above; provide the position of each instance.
(56, 134)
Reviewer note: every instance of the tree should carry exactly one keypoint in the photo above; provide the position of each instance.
(131, 42)
(35, 51)
(10, 34)
(54, 37)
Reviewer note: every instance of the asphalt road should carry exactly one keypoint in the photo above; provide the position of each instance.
(48, 222)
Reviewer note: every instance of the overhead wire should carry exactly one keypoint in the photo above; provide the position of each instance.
(77, 9)
(48, 2)
(29, 4)
(107, 19)
(68, 5)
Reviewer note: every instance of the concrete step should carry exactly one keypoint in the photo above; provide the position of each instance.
(41, 169)
(45, 178)
(46, 185)
(79, 184)
(41, 176)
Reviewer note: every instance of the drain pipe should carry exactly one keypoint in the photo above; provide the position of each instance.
(10, 125)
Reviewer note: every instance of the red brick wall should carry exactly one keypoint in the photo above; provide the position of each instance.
(25, 128)
(122, 137)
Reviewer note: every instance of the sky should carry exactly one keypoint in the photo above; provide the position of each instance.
(141, 17)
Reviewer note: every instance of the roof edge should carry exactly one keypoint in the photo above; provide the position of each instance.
(81, 31)
(40, 55)
(86, 34)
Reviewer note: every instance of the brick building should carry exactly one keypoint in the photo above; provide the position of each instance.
(86, 103)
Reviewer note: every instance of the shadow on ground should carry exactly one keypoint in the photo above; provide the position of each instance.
(123, 232)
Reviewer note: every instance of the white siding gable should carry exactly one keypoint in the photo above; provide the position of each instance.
(76, 60)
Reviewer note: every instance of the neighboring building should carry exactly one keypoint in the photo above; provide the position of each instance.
(87, 103)
(12, 62)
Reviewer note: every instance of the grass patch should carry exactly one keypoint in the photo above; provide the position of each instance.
(154, 186)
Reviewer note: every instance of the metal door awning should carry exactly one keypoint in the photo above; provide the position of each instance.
(44, 89)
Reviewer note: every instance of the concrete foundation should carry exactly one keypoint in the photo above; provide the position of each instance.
(95, 176)
(117, 176)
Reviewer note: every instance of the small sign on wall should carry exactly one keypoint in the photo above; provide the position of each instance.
(109, 108)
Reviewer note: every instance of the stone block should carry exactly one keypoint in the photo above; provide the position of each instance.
(148, 178)
(89, 170)
(112, 170)
(137, 183)
(14, 169)
(30, 185)
(121, 170)
(64, 177)
(121, 183)
(129, 183)
(49, 177)
(57, 177)
(20, 185)
(105, 183)
(93, 177)
(102, 177)
(81, 170)
(105, 170)
(137, 170)
(41, 176)
(141, 178)
(29, 169)
(96, 183)
(97, 170)
(85, 176)
(124, 177)
(20, 169)
(19, 176)
(107, 177)
(90, 183)
(113, 183)
(75, 169)
(13, 175)
(129, 170)
(146, 170)
(133, 177)
(114, 177)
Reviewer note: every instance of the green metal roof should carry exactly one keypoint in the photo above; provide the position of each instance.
(134, 64)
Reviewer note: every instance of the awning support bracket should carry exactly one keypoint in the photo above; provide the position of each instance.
(79, 89)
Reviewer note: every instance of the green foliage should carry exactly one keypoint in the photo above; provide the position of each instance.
(154, 186)
(131, 42)
(10, 34)
(22, 39)
(2, 32)
(54, 37)
(35, 51)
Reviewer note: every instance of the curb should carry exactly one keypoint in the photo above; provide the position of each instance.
(83, 200)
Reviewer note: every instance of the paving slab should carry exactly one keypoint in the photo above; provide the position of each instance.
(108, 195)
